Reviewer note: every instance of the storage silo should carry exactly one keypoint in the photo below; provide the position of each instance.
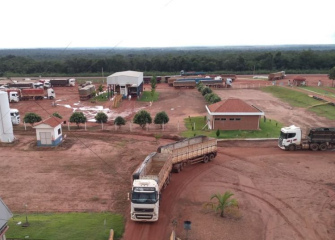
(6, 127)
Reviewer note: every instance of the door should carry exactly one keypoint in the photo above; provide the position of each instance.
(45, 138)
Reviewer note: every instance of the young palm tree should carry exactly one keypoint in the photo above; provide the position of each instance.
(224, 202)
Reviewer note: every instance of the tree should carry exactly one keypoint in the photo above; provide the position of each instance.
(101, 117)
(56, 114)
(142, 118)
(200, 86)
(153, 83)
(100, 88)
(224, 202)
(206, 90)
(31, 118)
(217, 133)
(78, 117)
(119, 121)
(161, 118)
(331, 75)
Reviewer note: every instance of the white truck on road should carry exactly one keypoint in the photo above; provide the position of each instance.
(321, 138)
(154, 174)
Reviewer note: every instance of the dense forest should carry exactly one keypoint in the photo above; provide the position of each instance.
(238, 60)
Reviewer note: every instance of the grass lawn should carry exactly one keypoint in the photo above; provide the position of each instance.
(60, 226)
(146, 96)
(322, 91)
(268, 129)
(299, 99)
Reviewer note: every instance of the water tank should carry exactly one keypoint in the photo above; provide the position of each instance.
(6, 127)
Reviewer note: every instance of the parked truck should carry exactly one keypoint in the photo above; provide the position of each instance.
(20, 85)
(321, 138)
(154, 174)
(13, 94)
(69, 82)
(15, 116)
(36, 94)
(276, 76)
(86, 92)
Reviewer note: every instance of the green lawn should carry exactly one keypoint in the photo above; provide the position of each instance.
(60, 226)
(299, 99)
(146, 96)
(323, 91)
(268, 129)
(294, 98)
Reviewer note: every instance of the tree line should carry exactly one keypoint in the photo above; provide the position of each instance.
(243, 61)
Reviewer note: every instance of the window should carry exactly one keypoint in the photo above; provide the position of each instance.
(223, 119)
(231, 119)
(237, 119)
(217, 119)
(59, 131)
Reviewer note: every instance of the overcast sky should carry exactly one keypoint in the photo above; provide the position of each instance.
(164, 23)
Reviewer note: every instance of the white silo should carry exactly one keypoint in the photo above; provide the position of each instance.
(6, 127)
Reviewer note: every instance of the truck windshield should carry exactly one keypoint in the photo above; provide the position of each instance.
(287, 135)
(283, 135)
(144, 197)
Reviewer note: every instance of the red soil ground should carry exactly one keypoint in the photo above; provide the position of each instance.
(282, 195)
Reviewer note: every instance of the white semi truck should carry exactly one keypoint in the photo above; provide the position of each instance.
(15, 116)
(153, 175)
(321, 138)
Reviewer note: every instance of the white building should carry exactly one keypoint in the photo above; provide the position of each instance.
(127, 83)
(49, 132)
(5, 215)
(6, 127)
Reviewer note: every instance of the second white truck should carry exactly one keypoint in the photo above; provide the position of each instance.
(154, 174)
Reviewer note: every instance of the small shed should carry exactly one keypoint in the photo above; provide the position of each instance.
(299, 81)
(233, 114)
(127, 83)
(5, 215)
(49, 132)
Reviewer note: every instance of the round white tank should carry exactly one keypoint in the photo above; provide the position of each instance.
(6, 127)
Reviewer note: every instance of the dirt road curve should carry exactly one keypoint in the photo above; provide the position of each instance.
(282, 195)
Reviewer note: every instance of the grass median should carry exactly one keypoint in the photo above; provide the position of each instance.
(60, 226)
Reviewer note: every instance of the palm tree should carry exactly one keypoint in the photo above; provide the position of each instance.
(224, 202)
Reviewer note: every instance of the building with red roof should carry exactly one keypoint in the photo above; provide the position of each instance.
(233, 114)
(49, 132)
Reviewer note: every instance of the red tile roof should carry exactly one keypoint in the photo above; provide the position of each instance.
(232, 105)
(51, 121)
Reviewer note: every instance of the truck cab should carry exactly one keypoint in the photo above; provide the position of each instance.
(13, 96)
(15, 116)
(72, 82)
(51, 93)
(144, 200)
(290, 138)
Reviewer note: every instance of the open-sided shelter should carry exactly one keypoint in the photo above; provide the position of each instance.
(127, 83)
(233, 114)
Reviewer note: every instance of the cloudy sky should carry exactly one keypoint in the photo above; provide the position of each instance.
(164, 23)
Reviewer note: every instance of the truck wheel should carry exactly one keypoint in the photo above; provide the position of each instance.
(314, 146)
(291, 147)
(206, 158)
(211, 156)
(323, 147)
